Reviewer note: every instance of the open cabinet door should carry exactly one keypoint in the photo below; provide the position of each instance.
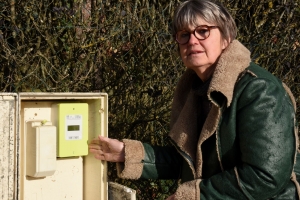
(120, 192)
(8, 155)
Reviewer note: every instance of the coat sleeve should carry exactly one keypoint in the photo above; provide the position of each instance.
(149, 162)
(266, 137)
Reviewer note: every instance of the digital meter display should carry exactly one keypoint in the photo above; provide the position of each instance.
(73, 127)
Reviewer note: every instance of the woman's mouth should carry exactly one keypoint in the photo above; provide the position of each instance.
(195, 52)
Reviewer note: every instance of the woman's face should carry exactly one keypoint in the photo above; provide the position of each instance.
(199, 55)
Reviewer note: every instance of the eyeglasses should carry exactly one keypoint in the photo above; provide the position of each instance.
(200, 32)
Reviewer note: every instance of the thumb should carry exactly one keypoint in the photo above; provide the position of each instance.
(103, 138)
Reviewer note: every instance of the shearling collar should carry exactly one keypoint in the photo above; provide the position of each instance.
(234, 60)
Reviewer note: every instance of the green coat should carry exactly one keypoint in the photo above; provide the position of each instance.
(247, 147)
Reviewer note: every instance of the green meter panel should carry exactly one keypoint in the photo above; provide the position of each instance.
(71, 120)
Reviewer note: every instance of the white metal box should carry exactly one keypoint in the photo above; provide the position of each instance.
(76, 178)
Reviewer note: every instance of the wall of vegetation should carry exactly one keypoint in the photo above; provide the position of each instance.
(124, 48)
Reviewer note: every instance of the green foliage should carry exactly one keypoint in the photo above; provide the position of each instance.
(124, 48)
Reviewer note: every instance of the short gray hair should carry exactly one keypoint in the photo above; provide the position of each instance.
(211, 11)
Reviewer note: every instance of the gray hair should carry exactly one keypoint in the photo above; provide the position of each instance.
(213, 12)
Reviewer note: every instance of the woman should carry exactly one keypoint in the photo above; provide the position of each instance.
(232, 123)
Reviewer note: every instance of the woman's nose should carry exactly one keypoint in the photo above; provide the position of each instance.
(193, 39)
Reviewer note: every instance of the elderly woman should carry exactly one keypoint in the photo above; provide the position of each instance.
(233, 123)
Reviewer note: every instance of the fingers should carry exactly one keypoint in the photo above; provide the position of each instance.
(110, 145)
(97, 144)
(100, 157)
(94, 146)
(108, 149)
(98, 153)
(100, 140)
(95, 141)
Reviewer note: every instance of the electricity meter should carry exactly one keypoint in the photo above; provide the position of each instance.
(71, 120)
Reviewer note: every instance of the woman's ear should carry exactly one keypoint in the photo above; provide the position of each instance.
(225, 43)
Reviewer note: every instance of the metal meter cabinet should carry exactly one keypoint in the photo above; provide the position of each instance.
(27, 125)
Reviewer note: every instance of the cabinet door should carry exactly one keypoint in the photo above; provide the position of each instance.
(8, 138)
(120, 192)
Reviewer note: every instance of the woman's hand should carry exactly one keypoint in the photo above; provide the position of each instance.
(107, 149)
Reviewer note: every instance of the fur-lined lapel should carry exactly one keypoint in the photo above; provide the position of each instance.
(234, 60)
